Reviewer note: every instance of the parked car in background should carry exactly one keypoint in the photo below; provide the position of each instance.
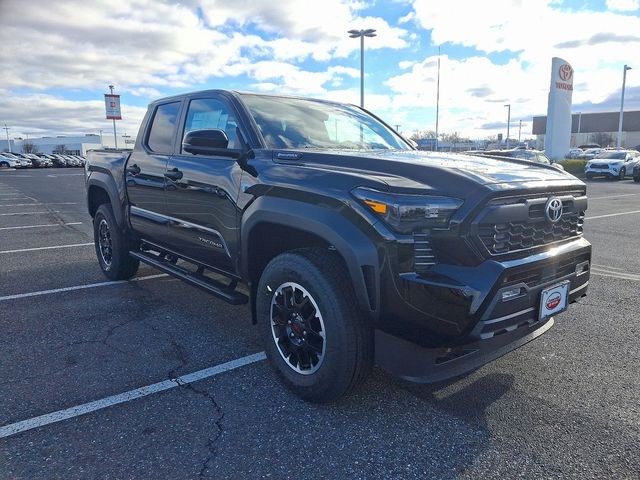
(17, 160)
(58, 160)
(575, 153)
(587, 146)
(591, 153)
(9, 161)
(25, 161)
(536, 156)
(612, 164)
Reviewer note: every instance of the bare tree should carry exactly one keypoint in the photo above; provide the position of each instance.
(60, 149)
(420, 134)
(452, 138)
(29, 147)
(603, 139)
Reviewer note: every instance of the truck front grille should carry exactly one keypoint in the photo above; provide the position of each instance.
(423, 256)
(515, 224)
(514, 236)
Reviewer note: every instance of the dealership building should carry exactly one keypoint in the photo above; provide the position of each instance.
(73, 145)
(596, 128)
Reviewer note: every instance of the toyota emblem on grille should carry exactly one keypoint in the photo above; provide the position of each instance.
(553, 209)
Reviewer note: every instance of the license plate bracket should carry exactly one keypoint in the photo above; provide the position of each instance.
(554, 299)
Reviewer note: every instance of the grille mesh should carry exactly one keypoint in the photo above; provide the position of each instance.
(510, 237)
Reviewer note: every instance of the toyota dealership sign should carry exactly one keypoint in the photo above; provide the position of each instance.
(558, 136)
(112, 106)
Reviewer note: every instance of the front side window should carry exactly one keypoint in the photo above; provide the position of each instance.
(209, 113)
(163, 128)
(303, 123)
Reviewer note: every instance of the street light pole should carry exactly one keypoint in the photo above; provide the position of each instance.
(508, 105)
(115, 138)
(438, 99)
(579, 126)
(369, 32)
(624, 81)
(6, 129)
(519, 130)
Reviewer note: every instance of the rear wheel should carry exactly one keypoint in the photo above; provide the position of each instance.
(636, 179)
(318, 342)
(112, 246)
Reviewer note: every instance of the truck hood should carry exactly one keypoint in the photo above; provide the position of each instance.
(411, 169)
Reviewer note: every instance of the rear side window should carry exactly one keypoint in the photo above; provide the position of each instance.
(163, 127)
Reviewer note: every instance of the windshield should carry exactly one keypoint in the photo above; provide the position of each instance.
(542, 158)
(615, 155)
(299, 123)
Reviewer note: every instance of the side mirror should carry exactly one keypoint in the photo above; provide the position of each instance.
(208, 142)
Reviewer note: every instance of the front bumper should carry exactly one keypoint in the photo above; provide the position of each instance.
(457, 318)
(611, 172)
(418, 364)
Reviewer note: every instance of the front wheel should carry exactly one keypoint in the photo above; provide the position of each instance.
(4, 165)
(636, 179)
(318, 342)
(112, 246)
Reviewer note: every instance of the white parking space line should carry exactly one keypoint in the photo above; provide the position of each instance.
(65, 175)
(41, 226)
(622, 276)
(85, 408)
(46, 248)
(614, 196)
(612, 215)
(29, 204)
(80, 287)
(31, 213)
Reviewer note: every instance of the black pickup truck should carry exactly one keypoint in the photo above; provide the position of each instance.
(350, 246)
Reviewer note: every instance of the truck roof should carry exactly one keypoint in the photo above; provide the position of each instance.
(238, 93)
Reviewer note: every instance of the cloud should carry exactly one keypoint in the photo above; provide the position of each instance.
(160, 44)
(52, 115)
(600, 38)
(624, 5)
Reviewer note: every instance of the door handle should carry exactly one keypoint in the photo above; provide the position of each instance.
(173, 174)
(133, 169)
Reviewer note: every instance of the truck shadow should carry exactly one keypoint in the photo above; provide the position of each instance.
(468, 403)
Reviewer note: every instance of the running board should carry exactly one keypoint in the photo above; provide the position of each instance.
(218, 289)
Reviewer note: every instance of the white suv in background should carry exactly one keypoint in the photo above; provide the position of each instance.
(7, 161)
(613, 164)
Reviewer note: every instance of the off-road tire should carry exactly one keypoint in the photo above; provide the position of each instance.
(118, 265)
(349, 354)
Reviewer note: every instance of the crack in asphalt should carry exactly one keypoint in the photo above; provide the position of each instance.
(182, 357)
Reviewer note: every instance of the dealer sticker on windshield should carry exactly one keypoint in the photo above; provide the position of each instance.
(554, 300)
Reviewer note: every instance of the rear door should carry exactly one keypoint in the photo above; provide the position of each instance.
(202, 190)
(145, 172)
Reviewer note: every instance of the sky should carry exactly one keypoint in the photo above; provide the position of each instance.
(58, 58)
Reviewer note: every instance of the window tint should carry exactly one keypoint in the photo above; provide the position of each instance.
(207, 113)
(163, 127)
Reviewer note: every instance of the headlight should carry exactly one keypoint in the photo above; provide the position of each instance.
(406, 213)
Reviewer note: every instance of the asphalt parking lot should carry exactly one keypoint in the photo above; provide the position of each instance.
(564, 406)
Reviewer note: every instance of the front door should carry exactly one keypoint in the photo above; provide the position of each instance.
(202, 191)
(145, 170)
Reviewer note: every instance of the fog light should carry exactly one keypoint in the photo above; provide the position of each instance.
(511, 294)
(582, 268)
